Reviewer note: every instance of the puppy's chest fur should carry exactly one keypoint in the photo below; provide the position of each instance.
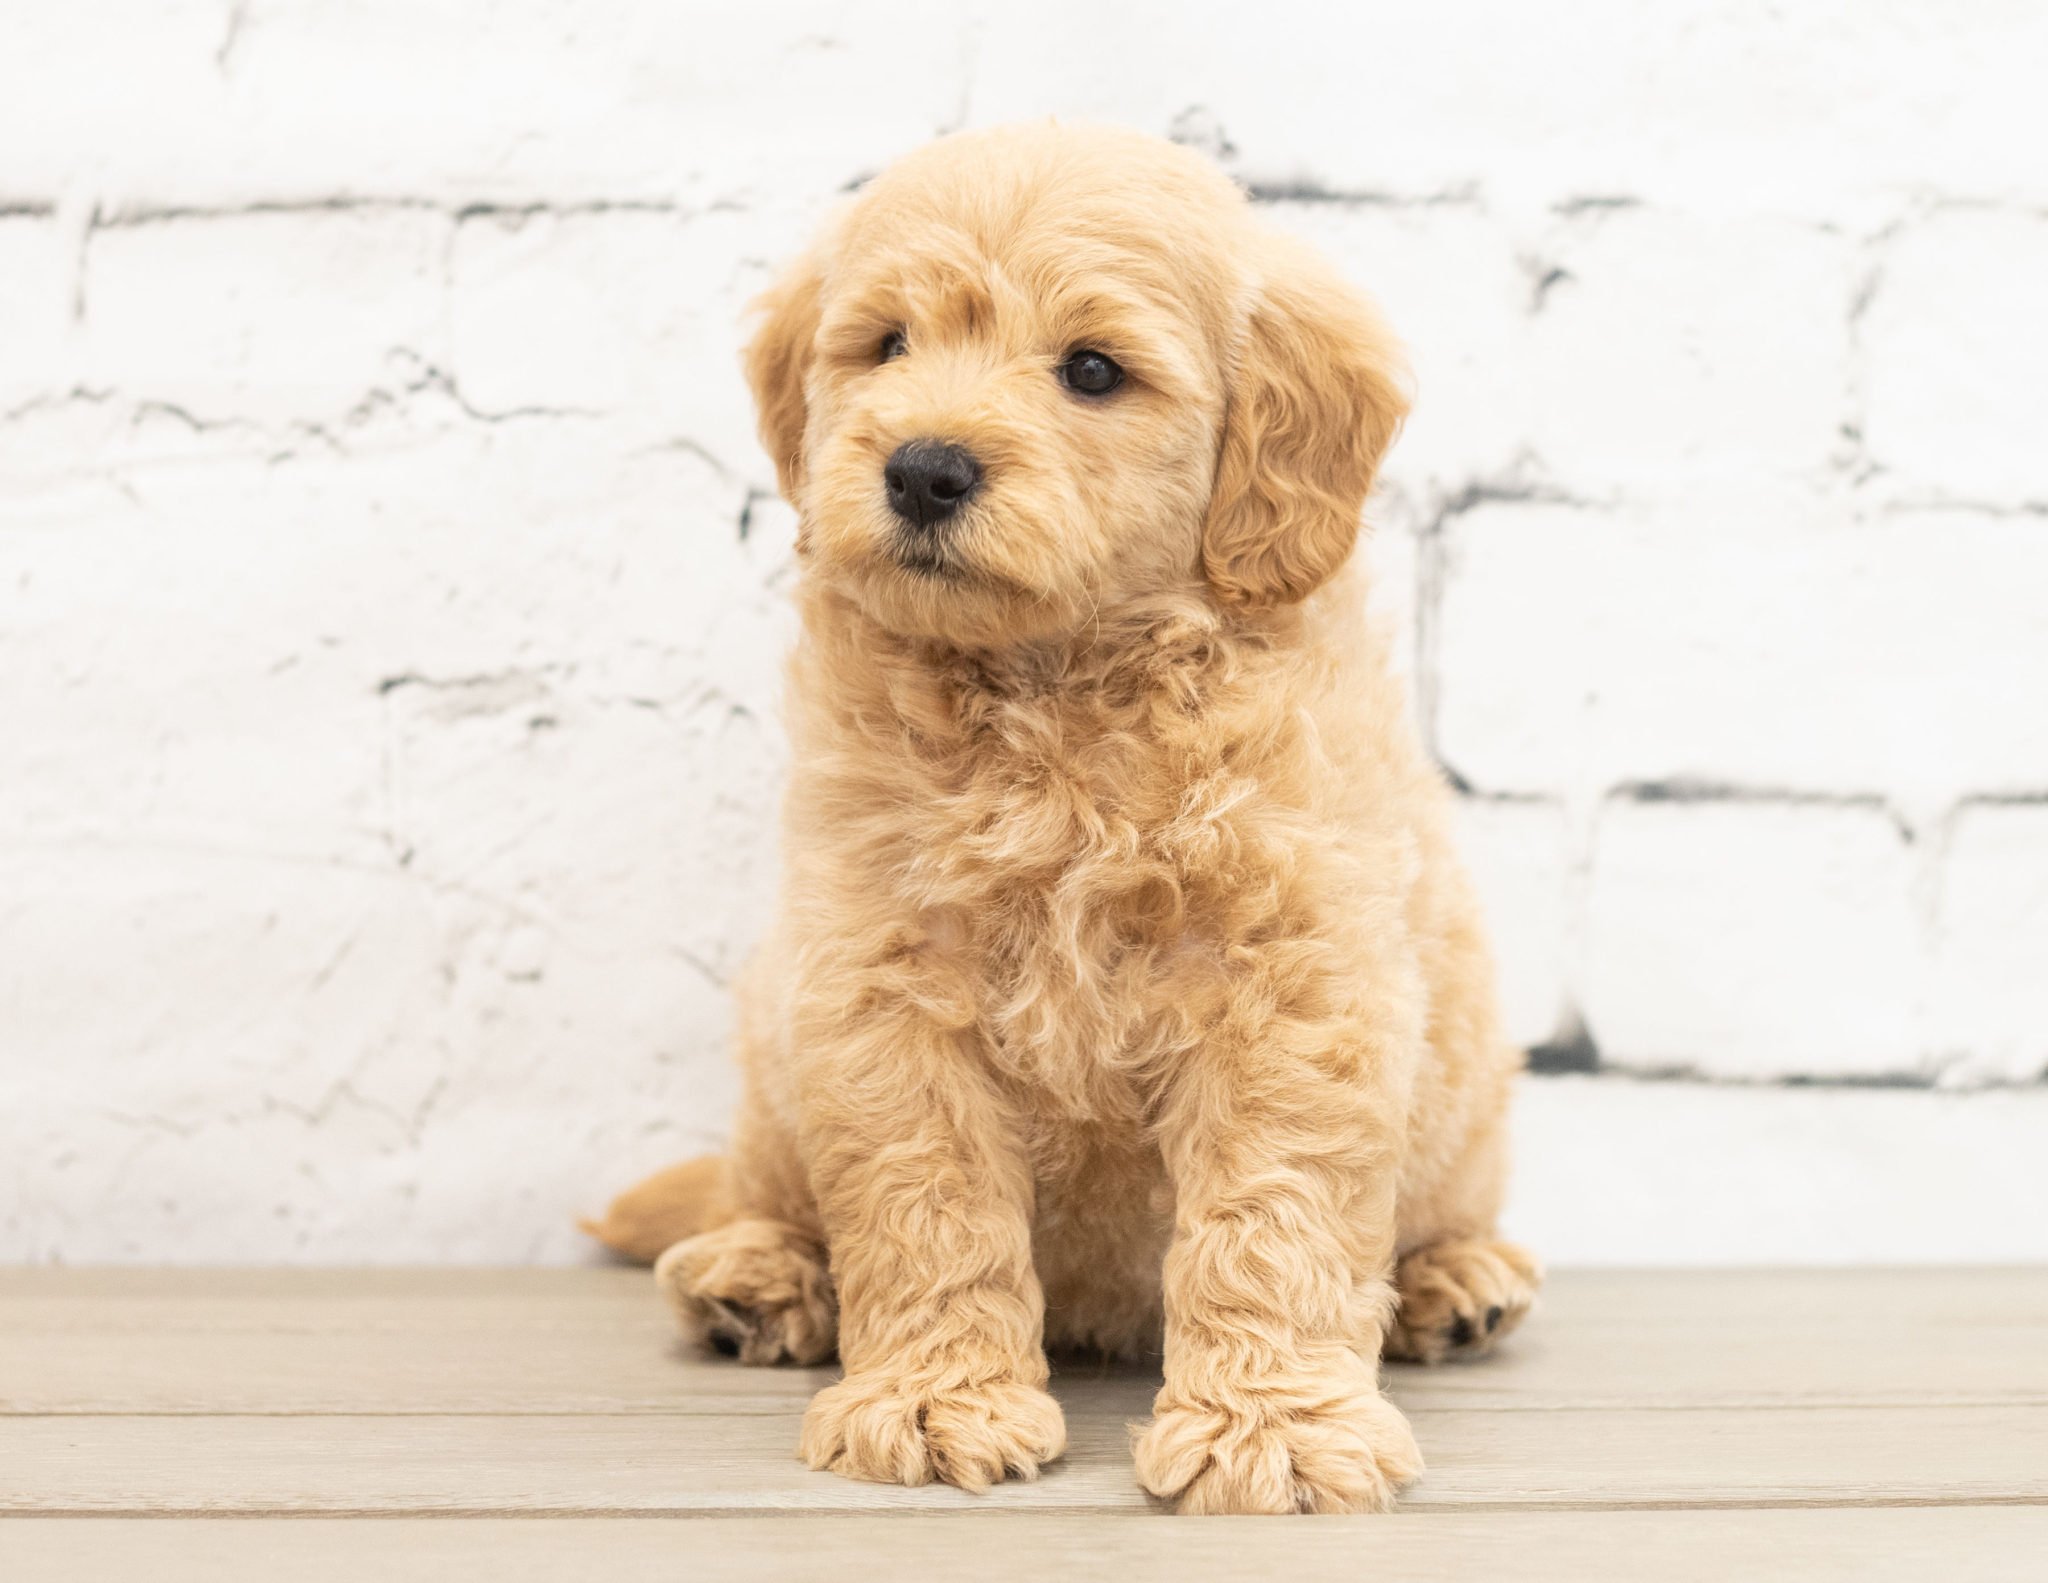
(1059, 854)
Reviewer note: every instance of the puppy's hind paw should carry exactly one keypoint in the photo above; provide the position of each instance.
(754, 1289)
(1458, 1298)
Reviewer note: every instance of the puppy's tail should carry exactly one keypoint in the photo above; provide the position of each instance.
(648, 1218)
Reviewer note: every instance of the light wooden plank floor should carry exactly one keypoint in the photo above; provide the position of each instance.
(544, 1424)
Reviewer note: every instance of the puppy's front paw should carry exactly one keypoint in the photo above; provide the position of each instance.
(1268, 1454)
(1459, 1297)
(895, 1431)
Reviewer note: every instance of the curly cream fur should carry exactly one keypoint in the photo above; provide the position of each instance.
(1126, 989)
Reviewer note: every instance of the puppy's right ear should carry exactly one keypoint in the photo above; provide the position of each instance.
(778, 361)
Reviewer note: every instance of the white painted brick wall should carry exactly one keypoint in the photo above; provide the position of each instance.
(390, 586)
(1990, 998)
(1758, 638)
(1955, 338)
(35, 307)
(1667, 354)
(1764, 939)
(1520, 856)
(267, 317)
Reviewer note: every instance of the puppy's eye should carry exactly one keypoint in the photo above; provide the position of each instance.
(1090, 373)
(893, 346)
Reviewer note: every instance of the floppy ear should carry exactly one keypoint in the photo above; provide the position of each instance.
(778, 359)
(1315, 400)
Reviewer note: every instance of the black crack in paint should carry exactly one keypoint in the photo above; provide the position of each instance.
(753, 498)
(1544, 283)
(1692, 789)
(1197, 128)
(1570, 1049)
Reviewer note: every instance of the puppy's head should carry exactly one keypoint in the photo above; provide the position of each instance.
(1037, 373)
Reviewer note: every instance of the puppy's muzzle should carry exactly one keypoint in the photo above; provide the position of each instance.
(929, 481)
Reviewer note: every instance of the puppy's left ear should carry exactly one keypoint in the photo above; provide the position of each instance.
(1316, 398)
(778, 361)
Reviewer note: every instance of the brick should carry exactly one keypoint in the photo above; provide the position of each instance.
(1828, 109)
(103, 90)
(138, 707)
(1677, 349)
(1623, 350)
(307, 1062)
(1823, 108)
(636, 317)
(370, 856)
(1518, 857)
(1613, 1172)
(1991, 954)
(1749, 639)
(35, 309)
(272, 317)
(539, 553)
(636, 99)
(1388, 551)
(1957, 352)
(1752, 940)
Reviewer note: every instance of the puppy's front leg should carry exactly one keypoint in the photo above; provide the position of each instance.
(1280, 1135)
(926, 1195)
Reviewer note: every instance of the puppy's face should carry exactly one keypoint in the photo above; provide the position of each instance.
(1036, 374)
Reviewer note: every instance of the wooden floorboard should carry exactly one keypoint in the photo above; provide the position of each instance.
(647, 1464)
(1909, 1545)
(1864, 1424)
(592, 1341)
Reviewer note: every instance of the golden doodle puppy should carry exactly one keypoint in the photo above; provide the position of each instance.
(1126, 990)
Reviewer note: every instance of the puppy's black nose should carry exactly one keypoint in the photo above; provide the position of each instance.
(929, 480)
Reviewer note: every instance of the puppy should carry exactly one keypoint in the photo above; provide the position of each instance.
(1126, 991)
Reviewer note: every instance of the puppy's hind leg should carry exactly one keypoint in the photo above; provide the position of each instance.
(754, 1289)
(741, 1279)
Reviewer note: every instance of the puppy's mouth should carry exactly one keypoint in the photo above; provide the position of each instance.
(925, 556)
(940, 561)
